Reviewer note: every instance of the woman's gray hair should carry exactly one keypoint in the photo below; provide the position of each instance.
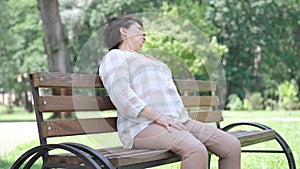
(112, 35)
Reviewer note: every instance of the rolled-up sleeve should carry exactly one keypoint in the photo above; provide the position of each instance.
(114, 72)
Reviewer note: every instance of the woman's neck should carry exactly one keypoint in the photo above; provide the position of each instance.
(127, 47)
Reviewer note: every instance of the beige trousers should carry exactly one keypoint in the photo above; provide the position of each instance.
(193, 144)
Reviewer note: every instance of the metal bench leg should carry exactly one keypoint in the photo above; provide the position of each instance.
(287, 150)
(209, 160)
(41, 150)
(17, 164)
(285, 147)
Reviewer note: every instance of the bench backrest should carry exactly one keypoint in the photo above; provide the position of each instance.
(88, 95)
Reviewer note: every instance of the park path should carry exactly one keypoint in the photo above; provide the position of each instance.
(14, 133)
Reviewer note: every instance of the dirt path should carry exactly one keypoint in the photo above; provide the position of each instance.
(15, 133)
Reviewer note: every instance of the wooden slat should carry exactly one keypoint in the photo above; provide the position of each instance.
(66, 80)
(55, 128)
(253, 137)
(74, 103)
(69, 80)
(195, 85)
(134, 156)
(94, 103)
(207, 116)
(118, 156)
(196, 101)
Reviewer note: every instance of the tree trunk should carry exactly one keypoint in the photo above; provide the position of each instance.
(28, 103)
(54, 43)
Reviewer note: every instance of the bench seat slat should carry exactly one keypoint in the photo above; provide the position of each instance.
(253, 137)
(134, 156)
(122, 157)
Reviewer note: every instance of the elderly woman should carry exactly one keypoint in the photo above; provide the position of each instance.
(150, 111)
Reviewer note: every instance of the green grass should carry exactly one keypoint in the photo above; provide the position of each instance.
(287, 124)
(19, 115)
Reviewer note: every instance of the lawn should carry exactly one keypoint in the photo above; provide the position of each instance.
(287, 124)
(19, 114)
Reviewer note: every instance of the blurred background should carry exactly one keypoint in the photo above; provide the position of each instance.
(258, 43)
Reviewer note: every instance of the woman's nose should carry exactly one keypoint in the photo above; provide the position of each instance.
(144, 34)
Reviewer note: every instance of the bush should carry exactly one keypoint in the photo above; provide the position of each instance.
(270, 104)
(234, 102)
(9, 109)
(288, 95)
(255, 101)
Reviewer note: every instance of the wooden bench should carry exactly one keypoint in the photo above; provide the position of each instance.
(201, 108)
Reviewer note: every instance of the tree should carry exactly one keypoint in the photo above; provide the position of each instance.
(4, 42)
(259, 35)
(21, 48)
(54, 40)
(55, 43)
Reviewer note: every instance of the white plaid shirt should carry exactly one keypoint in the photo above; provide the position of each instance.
(134, 80)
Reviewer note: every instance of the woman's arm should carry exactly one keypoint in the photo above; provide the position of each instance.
(114, 73)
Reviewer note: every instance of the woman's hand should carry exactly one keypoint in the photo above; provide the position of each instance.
(161, 119)
(169, 122)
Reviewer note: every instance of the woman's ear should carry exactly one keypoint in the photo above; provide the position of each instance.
(123, 31)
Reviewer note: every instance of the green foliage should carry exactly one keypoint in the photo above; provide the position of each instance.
(288, 94)
(4, 19)
(255, 101)
(187, 38)
(234, 102)
(261, 39)
(258, 42)
(22, 50)
(176, 40)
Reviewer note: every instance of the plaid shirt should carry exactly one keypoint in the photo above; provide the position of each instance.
(134, 80)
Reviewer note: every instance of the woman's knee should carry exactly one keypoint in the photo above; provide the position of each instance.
(190, 146)
(229, 146)
(236, 145)
(200, 151)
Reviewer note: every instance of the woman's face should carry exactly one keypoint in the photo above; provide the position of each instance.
(133, 37)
